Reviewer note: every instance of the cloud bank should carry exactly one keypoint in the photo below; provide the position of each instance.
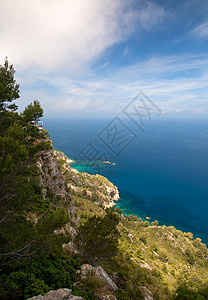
(61, 35)
(55, 44)
(67, 35)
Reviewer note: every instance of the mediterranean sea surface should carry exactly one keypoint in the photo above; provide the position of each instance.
(161, 172)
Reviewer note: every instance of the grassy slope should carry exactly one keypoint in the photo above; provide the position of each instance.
(158, 257)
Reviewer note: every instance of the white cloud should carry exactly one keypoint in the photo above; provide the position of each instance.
(67, 34)
(111, 93)
(150, 15)
(201, 31)
(53, 44)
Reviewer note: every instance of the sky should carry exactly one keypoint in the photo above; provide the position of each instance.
(92, 57)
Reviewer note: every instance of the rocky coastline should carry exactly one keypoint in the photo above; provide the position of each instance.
(93, 186)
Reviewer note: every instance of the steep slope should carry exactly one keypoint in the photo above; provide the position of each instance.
(45, 204)
(53, 182)
(163, 259)
(95, 187)
(36, 213)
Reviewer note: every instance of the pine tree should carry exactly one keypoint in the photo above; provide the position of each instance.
(33, 112)
(98, 238)
(9, 89)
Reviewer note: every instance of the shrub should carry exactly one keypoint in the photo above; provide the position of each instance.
(38, 276)
(98, 237)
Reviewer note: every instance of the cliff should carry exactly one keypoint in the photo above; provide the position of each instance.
(95, 187)
(158, 258)
(52, 217)
(52, 179)
(163, 255)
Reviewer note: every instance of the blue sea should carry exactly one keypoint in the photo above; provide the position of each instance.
(161, 171)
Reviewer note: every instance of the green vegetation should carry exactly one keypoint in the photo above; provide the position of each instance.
(9, 89)
(42, 202)
(33, 112)
(27, 217)
(98, 238)
(33, 277)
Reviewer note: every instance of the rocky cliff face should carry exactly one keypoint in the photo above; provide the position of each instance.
(53, 180)
(96, 187)
(147, 253)
(59, 294)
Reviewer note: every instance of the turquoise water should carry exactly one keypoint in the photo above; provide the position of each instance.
(162, 174)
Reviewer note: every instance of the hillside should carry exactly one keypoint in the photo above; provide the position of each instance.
(46, 206)
(161, 258)
(60, 229)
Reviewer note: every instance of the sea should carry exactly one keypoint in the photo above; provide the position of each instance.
(160, 167)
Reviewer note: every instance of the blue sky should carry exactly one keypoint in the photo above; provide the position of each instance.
(92, 57)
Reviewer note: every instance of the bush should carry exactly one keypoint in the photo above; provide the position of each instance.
(98, 238)
(90, 289)
(122, 294)
(155, 223)
(38, 276)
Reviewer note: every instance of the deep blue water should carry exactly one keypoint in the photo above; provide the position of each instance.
(162, 174)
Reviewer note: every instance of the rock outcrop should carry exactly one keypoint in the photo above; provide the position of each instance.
(145, 265)
(147, 294)
(99, 272)
(60, 294)
(53, 180)
(130, 236)
(108, 297)
(96, 186)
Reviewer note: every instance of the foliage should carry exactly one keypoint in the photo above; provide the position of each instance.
(24, 242)
(170, 263)
(114, 209)
(184, 292)
(161, 248)
(98, 238)
(22, 239)
(33, 112)
(38, 276)
(9, 89)
(155, 223)
(89, 289)
(20, 191)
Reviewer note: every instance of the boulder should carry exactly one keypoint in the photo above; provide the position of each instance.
(60, 294)
(147, 294)
(130, 236)
(108, 297)
(99, 272)
(145, 265)
(71, 248)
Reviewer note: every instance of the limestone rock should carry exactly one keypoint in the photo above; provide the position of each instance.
(99, 272)
(113, 195)
(59, 294)
(147, 294)
(108, 297)
(145, 265)
(75, 298)
(71, 248)
(130, 236)
(52, 179)
(85, 183)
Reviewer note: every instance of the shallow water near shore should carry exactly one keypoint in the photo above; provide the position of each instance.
(162, 174)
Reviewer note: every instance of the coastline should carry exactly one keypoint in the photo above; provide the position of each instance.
(95, 186)
(186, 181)
(117, 198)
(115, 201)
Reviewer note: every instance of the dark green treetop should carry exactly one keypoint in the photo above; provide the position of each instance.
(98, 238)
(33, 112)
(9, 89)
